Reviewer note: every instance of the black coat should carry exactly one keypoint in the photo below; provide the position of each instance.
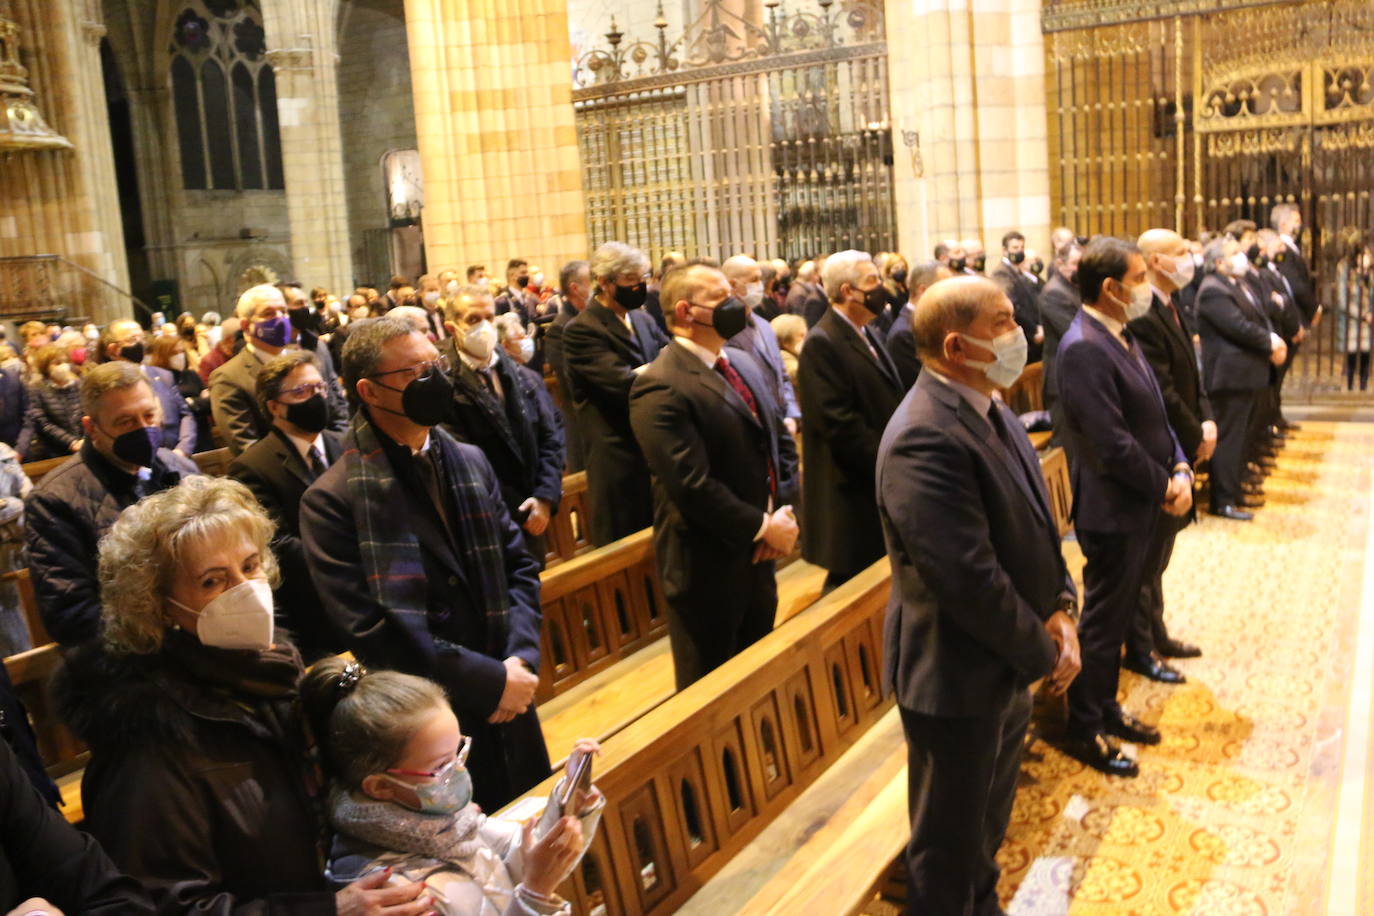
(1023, 293)
(523, 442)
(1059, 303)
(1121, 448)
(14, 406)
(553, 352)
(41, 855)
(53, 421)
(1293, 266)
(1169, 349)
(709, 458)
(847, 398)
(601, 356)
(901, 346)
(65, 517)
(1282, 312)
(1235, 338)
(201, 793)
(234, 399)
(976, 564)
(448, 643)
(274, 470)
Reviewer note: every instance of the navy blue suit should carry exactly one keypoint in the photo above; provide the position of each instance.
(1122, 452)
(759, 340)
(976, 572)
(178, 423)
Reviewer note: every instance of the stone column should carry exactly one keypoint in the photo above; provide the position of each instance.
(303, 51)
(65, 202)
(494, 120)
(968, 78)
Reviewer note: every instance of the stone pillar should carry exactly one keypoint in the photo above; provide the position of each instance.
(65, 202)
(968, 78)
(303, 51)
(494, 120)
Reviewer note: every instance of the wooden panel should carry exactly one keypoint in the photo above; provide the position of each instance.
(1054, 465)
(593, 885)
(774, 772)
(800, 720)
(696, 827)
(863, 657)
(642, 824)
(735, 800)
(839, 687)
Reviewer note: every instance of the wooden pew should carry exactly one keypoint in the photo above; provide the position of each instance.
(692, 782)
(567, 533)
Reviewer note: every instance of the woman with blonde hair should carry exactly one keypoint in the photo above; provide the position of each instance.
(200, 783)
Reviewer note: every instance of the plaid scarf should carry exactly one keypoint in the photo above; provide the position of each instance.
(391, 552)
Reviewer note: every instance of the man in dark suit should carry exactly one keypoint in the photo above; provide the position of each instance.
(604, 348)
(278, 468)
(807, 296)
(504, 409)
(757, 337)
(1126, 469)
(1021, 290)
(574, 292)
(652, 306)
(267, 331)
(982, 604)
(420, 566)
(1286, 220)
(724, 475)
(1167, 346)
(516, 297)
(123, 339)
(1059, 303)
(849, 389)
(1284, 316)
(1238, 348)
(901, 344)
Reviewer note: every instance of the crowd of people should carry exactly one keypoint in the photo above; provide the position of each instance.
(398, 457)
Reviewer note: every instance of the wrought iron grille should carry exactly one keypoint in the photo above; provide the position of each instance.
(1194, 113)
(768, 137)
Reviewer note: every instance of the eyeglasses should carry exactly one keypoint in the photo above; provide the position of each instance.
(308, 390)
(457, 763)
(420, 371)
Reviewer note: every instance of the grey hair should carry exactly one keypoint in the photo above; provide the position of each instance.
(1280, 213)
(615, 258)
(210, 319)
(412, 315)
(924, 274)
(254, 296)
(507, 324)
(362, 352)
(146, 547)
(1215, 251)
(112, 376)
(569, 273)
(840, 268)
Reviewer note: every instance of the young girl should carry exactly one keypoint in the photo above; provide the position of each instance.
(402, 800)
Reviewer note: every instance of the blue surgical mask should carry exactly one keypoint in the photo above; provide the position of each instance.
(448, 793)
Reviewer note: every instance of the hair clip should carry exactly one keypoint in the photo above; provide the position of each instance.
(353, 673)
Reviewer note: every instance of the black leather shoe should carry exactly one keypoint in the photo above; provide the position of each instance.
(1174, 648)
(1129, 728)
(1234, 514)
(1101, 753)
(1156, 669)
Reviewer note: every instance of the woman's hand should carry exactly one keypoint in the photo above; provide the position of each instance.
(368, 896)
(35, 906)
(549, 861)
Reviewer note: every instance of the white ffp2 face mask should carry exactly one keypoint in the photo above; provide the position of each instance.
(236, 618)
(1010, 349)
(1182, 274)
(480, 340)
(1138, 306)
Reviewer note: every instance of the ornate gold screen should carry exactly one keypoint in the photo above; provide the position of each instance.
(1191, 114)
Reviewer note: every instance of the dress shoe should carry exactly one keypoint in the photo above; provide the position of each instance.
(1176, 648)
(1101, 753)
(1156, 669)
(1252, 502)
(1234, 514)
(1129, 728)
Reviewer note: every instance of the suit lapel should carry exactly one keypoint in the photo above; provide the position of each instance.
(859, 341)
(713, 380)
(290, 457)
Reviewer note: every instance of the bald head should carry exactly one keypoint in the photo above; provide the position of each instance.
(1161, 241)
(740, 269)
(1165, 251)
(959, 305)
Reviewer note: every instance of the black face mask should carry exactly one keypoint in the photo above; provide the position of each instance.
(631, 297)
(899, 276)
(979, 263)
(304, 318)
(728, 318)
(784, 285)
(875, 299)
(1037, 267)
(522, 282)
(956, 265)
(1017, 257)
(311, 415)
(134, 354)
(138, 446)
(1253, 253)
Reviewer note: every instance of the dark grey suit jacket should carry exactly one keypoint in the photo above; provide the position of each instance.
(234, 401)
(976, 564)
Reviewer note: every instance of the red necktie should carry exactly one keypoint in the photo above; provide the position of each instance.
(732, 378)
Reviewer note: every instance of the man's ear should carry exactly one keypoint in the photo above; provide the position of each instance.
(364, 390)
(86, 425)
